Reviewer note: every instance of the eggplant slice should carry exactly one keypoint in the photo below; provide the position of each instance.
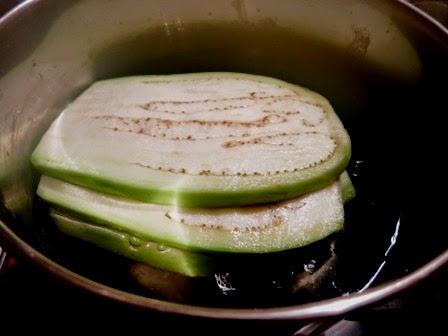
(197, 140)
(161, 256)
(255, 229)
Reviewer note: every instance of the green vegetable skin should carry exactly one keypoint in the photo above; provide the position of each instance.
(347, 189)
(197, 140)
(160, 256)
(258, 229)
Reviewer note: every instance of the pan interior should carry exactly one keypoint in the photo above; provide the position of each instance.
(390, 109)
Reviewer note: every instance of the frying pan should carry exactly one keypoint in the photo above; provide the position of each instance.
(382, 64)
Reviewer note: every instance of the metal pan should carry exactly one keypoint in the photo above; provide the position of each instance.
(381, 63)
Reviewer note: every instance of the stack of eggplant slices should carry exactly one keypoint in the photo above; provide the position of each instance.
(171, 170)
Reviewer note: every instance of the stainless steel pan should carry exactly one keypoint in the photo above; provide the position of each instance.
(381, 63)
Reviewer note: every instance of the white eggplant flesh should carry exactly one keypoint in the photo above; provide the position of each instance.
(197, 140)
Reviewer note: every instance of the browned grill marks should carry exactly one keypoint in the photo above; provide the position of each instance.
(165, 136)
(252, 96)
(208, 172)
(151, 107)
(151, 123)
(163, 106)
(277, 219)
(262, 140)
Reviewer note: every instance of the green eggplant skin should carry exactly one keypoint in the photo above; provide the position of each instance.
(108, 175)
(347, 188)
(163, 257)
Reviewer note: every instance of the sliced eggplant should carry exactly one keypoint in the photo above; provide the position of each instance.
(197, 140)
(160, 256)
(256, 229)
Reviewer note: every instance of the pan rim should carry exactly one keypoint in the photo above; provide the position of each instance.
(319, 309)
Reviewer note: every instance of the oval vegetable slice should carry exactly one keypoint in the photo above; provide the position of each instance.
(197, 140)
(160, 256)
(254, 229)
